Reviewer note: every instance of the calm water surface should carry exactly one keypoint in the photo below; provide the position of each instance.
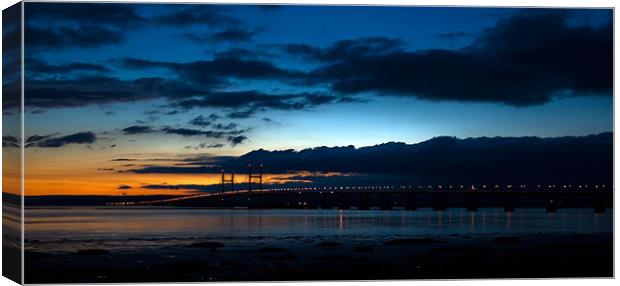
(67, 229)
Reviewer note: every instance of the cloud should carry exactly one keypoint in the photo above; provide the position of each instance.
(137, 129)
(202, 121)
(216, 72)
(105, 169)
(344, 49)
(186, 187)
(208, 15)
(211, 121)
(55, 142)
(233, 35)
(55, 93)
(448, 159)
(124, 187)
(441, 160)
(523, 60)
(236, 140)
(453, 35)
(241, 114)
(175, 170)
(229, 126)
(36, 138)
(217, 145)
(70, 25)
(9, 141)
(205, 146)
(254, 101)
(243, 54)
(224, 130)
(84, 36)
(117, 15)
(37, 67)
(187, 132)
(60, 25)
(50, 92)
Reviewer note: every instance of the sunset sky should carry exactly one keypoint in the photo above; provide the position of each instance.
(114, 88)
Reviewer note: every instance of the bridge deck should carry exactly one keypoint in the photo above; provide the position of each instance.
(597, 196)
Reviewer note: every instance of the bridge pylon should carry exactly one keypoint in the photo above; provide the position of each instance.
(226, 180)
(258, 176)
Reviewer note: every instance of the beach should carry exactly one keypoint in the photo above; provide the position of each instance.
(325, 258)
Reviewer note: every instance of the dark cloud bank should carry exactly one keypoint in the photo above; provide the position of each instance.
(442, 160)
(525, 59)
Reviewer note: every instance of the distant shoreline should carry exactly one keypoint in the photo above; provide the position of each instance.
(82, 200)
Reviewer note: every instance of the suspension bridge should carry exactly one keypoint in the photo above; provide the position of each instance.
(252, 194)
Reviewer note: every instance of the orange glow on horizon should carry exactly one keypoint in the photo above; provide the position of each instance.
(74, 171)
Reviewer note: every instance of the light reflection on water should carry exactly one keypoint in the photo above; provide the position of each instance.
(118, 223)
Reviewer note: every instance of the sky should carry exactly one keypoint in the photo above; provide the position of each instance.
(112, 88)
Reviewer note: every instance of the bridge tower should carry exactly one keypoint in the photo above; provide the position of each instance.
(230, 181)
(255, 203)
(255, 176)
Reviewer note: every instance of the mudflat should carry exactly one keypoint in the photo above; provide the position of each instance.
(334, 258)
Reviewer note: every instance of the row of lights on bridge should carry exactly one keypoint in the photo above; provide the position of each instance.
(461, 187)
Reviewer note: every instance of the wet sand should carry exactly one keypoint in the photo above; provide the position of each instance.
(334, 258)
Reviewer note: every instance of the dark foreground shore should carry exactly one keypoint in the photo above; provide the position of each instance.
(334, 258)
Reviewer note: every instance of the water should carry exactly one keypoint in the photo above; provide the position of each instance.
(73, 228)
